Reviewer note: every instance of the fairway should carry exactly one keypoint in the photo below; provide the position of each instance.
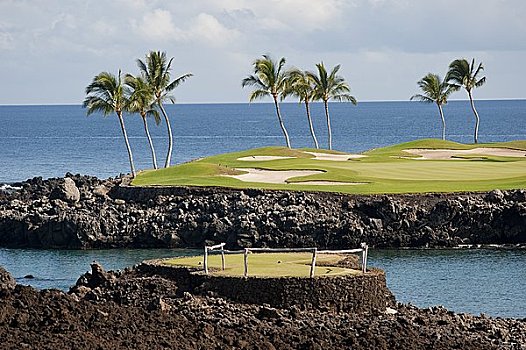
(393, 169)
(268, 264)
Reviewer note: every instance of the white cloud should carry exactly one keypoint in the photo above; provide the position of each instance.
(384, 46)
(158, 25)
(207, 28)
(6, 41)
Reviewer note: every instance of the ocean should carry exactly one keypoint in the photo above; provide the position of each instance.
(49, 141)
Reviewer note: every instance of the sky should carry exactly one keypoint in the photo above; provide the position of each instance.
(51, 49)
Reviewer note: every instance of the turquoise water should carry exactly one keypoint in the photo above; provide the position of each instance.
(473, 281)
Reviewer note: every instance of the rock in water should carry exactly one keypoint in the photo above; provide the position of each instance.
(66, 191)
(7, 282)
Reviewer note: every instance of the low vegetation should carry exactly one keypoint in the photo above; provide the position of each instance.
(383, 170)
(268, 264)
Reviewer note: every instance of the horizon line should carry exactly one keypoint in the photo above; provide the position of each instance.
(262, 102)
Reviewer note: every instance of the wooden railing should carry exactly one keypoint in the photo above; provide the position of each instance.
(221, 248)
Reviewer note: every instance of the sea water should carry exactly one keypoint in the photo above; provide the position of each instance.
(49, 141)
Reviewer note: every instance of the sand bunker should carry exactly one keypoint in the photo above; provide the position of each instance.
(271, 176)
(262, 158)
(335, 157)
(281, 177)
(440, 154)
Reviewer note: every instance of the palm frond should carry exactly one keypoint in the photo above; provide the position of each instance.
(258, 94)
(422, 98)
(178, 81)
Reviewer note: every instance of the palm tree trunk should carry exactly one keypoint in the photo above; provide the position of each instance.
(307, 108)
(443, 121)
(154, 158)
(477, 119)
(281, 122)
(130, 155)
(329, 131)
(170, 136)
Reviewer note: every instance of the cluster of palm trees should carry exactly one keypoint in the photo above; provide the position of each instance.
(461, 74)
(143, 94)
(271, 79)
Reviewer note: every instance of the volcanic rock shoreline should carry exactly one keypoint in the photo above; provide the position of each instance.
(133, 310)
(83, 212)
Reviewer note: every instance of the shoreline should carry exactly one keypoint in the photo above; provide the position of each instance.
(140, 308)
(82, 212)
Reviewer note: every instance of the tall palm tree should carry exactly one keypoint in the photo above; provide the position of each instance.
(269, 79)
(142, 101)
(156, 70)
(464, 75)
(107, 94)
(301, 85)
(330, 87)
(435, 90)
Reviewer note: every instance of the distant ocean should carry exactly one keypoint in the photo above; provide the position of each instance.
(51, 140)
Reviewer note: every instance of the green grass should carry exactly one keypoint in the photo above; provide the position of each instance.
(384, 170)
(267, 264)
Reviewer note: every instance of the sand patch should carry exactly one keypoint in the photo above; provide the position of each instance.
(447, 154)
(262, 158)
(335, 157)
(271, 176)
(282, 177)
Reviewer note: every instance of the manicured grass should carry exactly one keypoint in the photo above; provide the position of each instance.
(384, 170)
(268, 264)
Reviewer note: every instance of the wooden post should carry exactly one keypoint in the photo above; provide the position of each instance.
(366, 253)
(222, 258)
(363, 257)
(205, 262)
(313, 263)
(245, 258)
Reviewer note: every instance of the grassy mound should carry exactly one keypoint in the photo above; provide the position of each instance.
(269, 264)
(383, 170)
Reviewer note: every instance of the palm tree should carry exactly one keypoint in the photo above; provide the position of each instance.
(156, 70)
(107, 94)
(330, 87)
(435, 90)
(462, 74)
(268, 80)
(142, 101)
(301, 85)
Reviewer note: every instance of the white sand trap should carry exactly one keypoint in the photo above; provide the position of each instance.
(440, 154)
(335, 157)
(262, 158)
(271, 176)
(281, 177)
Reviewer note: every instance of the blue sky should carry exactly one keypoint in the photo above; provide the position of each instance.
(51, 49)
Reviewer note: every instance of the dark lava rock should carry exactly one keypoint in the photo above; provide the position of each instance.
(150, 316)
(66, 191)
(7, 282)
(110, 214)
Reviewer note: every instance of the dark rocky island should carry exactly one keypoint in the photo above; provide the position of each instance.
(140, 309)
(82, 212)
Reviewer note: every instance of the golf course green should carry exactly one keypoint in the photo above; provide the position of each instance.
(420, 166)
(269, 264)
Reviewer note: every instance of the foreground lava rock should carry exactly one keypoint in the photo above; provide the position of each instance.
(126, 310)
(82, 212)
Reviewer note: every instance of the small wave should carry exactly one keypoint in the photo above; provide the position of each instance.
(8, 188)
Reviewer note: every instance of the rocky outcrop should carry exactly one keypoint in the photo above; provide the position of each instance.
(7, 282)
(110, 214)
(127, 311)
